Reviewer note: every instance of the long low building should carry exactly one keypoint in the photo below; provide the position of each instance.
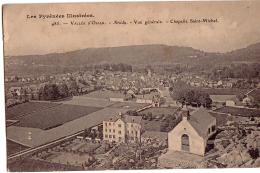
(33, 137)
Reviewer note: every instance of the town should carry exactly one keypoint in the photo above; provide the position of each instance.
(131, 86)
(117, 116)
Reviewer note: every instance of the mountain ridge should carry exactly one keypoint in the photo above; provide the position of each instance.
(134, 55)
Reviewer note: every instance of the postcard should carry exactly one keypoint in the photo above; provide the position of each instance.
(132, 85)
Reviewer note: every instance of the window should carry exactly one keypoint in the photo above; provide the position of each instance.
(105, 136)
(119, 125)
(114, 136)
(119, 139)
(109, 123)
(119, 132)
(109, 130)
(135, 133)
(213, 128)
(209, 131)
(114, 130)
(185, 144)
(105, 130)
(105, 124)
(132, 132)
(110, 136)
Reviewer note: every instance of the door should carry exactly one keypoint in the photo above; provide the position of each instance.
(185, 144)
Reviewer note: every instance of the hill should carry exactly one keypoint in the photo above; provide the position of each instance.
(134, 55)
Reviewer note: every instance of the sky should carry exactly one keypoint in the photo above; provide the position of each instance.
(238, 26)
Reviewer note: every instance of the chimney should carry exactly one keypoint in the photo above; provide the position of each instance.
(120, 115)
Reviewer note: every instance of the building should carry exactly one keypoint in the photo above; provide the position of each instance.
(122, 128)
(16, 91)
(228, 100)
(192, 133)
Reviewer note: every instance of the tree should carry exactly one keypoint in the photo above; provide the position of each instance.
(185, 94)
(73, 88)
(63, 90)
(205, 100)
(49, 92)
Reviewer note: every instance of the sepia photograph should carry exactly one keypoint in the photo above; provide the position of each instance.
(131, 85)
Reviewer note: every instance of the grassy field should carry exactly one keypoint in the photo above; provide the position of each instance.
(31, 165)
(13, 147)
(159, 111)
(240, 111)
(55, 116)
(87, 101)
(105, 94)
(152, 125)
(27, 108)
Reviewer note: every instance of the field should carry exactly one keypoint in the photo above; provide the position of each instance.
(31, 165)
(86, 101)
(105, 94)
(224, 91)
(160, 119)
(152, 125)
(27, 108)
(71, 158)
(129, 105)
(55, 116)
(13, 147)
(240, 111)
(159, 111)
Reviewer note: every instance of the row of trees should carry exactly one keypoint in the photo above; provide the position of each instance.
(185, 94)
(53, 91)
(246, 71)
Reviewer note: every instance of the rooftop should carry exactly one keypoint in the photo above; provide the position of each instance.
(133, 119)
(126, 118)
(222, 98)
(200, 119)
(40, 137)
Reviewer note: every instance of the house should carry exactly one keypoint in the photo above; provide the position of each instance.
(192, 133)
(228, 100)
(168, 100)
(248, 100)
(122, 128)
(16, 91)
(147, 98)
